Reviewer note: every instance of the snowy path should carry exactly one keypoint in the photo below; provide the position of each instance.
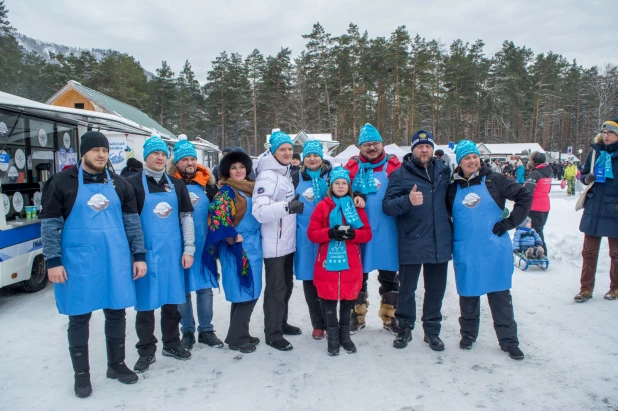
(571, 355)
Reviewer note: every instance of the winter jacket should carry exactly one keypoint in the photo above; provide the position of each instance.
(600, 217)
(521, 174)
(425, 232)
(570, 172)
(538, 182)
(525, 238)
(501, 189)
(337, 285)
(302, 175)
(273, 191)
(496, 168)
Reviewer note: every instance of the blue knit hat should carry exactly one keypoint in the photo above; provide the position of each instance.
(421, 137)
(155, 143)
(465, 147)
(184, 149)
(339, 172)
(313, 147)
(368, 134)
(277, 138)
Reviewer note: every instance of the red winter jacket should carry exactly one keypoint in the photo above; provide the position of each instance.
(392, 164)
(539, 182)
(337, 285)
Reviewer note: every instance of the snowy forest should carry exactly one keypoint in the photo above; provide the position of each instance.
(338, 83)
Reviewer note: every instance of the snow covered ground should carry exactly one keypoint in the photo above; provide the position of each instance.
(571, 354)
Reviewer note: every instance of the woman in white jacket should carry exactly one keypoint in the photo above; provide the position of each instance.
(275, 206)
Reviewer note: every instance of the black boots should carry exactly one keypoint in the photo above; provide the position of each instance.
(188, 340)
(291, 330)
(435, 343)
(116, 368)
(82, 386)
(143, 363)
(466, 342)
(333, 340)
(280, 344)
(403, 337)
(514, 352)
(344, 339)
(209, 338)
(81, 366)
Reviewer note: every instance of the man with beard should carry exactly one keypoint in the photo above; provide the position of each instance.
(370, 172)
(202, 189)
(416, 196)
(165, 209)
(94, 247)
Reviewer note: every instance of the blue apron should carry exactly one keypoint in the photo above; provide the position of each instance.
(194, 280)
(95, 253)
(249, 229)
(483, 261)
(306, 251)
(381, 252)
(164, 282)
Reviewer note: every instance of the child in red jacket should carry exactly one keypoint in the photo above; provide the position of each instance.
(339, 228)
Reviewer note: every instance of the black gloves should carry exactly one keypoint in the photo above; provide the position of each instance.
(336, 234)
(350, 234)
(590, 178)
(295, 206)
(499, 228)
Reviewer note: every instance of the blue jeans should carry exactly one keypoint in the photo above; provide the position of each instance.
(204, 312)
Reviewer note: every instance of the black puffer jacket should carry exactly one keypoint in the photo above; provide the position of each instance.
(501, 188)
(326, 168)
(425, 232)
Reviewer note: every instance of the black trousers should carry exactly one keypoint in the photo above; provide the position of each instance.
(240, 316)
(539, 219)
(78, 334)
(315, 308)
(277, 293)
(501, 305)
(330, 312)
(389, 281)
(145, 327)
(434, 276)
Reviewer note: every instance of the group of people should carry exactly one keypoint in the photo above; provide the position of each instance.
(150, 240)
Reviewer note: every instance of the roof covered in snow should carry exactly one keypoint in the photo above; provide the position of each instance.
(514, 148)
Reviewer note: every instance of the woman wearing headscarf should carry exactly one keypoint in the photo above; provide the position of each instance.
(310, 182)
(234, 239)
(482, 252)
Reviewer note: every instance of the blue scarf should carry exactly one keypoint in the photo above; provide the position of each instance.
(603, 165)
(364, 181)
(319, 185)
(337, 257)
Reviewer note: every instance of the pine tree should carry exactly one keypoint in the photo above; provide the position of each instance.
(163, 96)
(255, 66)
(10, 53)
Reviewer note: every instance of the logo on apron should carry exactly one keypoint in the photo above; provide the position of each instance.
(163, 210)
(308, 194)
(378, 183)
(471, 200)
(167, 188)
(98, 202)
(194, 198)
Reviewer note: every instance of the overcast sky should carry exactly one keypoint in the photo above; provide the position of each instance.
(177, 30)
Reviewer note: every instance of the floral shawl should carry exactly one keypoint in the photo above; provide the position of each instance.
(221, 215)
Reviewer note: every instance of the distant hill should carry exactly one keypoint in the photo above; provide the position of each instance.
(43, 49)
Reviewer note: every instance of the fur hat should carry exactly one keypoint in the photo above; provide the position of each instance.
(235, 157)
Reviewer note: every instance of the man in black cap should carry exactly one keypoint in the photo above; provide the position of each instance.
(94, 247)
(215, 171)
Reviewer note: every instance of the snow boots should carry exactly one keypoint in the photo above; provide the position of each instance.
(403, 337)
(514, 352)
(583, 296)
(529, 253)
(82, 386)
(144, 362)
(188, 340)
(466, 342)
(81, 366)
(388, 307)
(333, 340)
(177, 352)
(539, 253)
(116, 368)
(209, 338)
(345, 340)
(612, 294)
(435, 343)
(357, 320)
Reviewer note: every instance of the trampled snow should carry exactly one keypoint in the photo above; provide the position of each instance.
(571, 354)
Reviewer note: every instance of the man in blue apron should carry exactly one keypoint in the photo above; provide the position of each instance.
(202, 189)
(416, 196)
(370, 172)
(94, 247)
(165, 210)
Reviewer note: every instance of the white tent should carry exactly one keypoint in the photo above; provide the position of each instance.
(346, 154)
(396, 150)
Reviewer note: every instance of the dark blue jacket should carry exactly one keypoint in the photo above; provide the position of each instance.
(600, 218)
(425, 232)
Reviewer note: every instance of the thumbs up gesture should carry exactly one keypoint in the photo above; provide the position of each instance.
(295, 206)
(416, 197)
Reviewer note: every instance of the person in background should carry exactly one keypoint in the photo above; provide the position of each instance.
(559, 170)
(600, 217)
(520, 172)
(295, 163)
(527, 241)
(202, 188)
(508, 169)
(338, 268)
(133, 167)
(234, 239)
(310, 182)
(570, 175)
(553, 168)
(215, 171)
(496, 167)
(416, 197)
(275, 207)
(165, 209)
(482, 253)
(94, 247)
(538, 182)
(370, 172)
